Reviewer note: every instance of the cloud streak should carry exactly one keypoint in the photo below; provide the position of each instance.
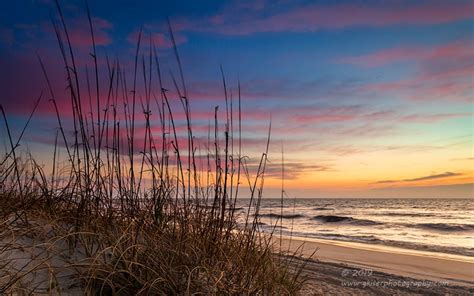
(442, 72)
(292, 169)
(238, 19)
(450, 50)
(423, 178)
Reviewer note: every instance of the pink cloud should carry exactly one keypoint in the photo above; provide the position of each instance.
(455, 84)
(430, 118)
(456, 49)
(80, 35)
(24, 69)
(443, 72)
(315, 16)
(79, 32)
(315, 118)
(386, 56)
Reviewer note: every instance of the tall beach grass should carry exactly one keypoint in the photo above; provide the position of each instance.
(132, 205)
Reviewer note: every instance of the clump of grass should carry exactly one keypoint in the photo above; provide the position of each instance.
(114, 220)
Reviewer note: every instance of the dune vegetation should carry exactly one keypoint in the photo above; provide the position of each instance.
(131, 204)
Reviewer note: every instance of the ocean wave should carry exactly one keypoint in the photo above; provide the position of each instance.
(344, 219)
(355, 238)
(267, 226)
(284, 216)
(395, 214)
(445, 227)
(372, 239)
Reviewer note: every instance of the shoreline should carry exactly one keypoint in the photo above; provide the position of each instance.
(387, 269)
(403, 262)
(455, 251)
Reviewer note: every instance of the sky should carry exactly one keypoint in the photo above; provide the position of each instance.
(365, 98)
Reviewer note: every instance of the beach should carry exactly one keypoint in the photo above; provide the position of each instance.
(236, 148)
(360, 269)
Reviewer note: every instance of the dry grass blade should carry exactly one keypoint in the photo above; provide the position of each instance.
(100, 227)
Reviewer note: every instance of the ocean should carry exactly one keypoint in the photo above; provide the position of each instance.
(439, 225)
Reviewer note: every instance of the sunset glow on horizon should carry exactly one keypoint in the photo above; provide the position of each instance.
(365, 98)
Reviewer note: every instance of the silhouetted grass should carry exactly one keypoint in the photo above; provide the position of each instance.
(113, 220)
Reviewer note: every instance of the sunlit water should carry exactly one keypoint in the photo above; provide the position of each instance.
(441, 225)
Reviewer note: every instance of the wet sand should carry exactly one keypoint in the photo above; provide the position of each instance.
(360, 269)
